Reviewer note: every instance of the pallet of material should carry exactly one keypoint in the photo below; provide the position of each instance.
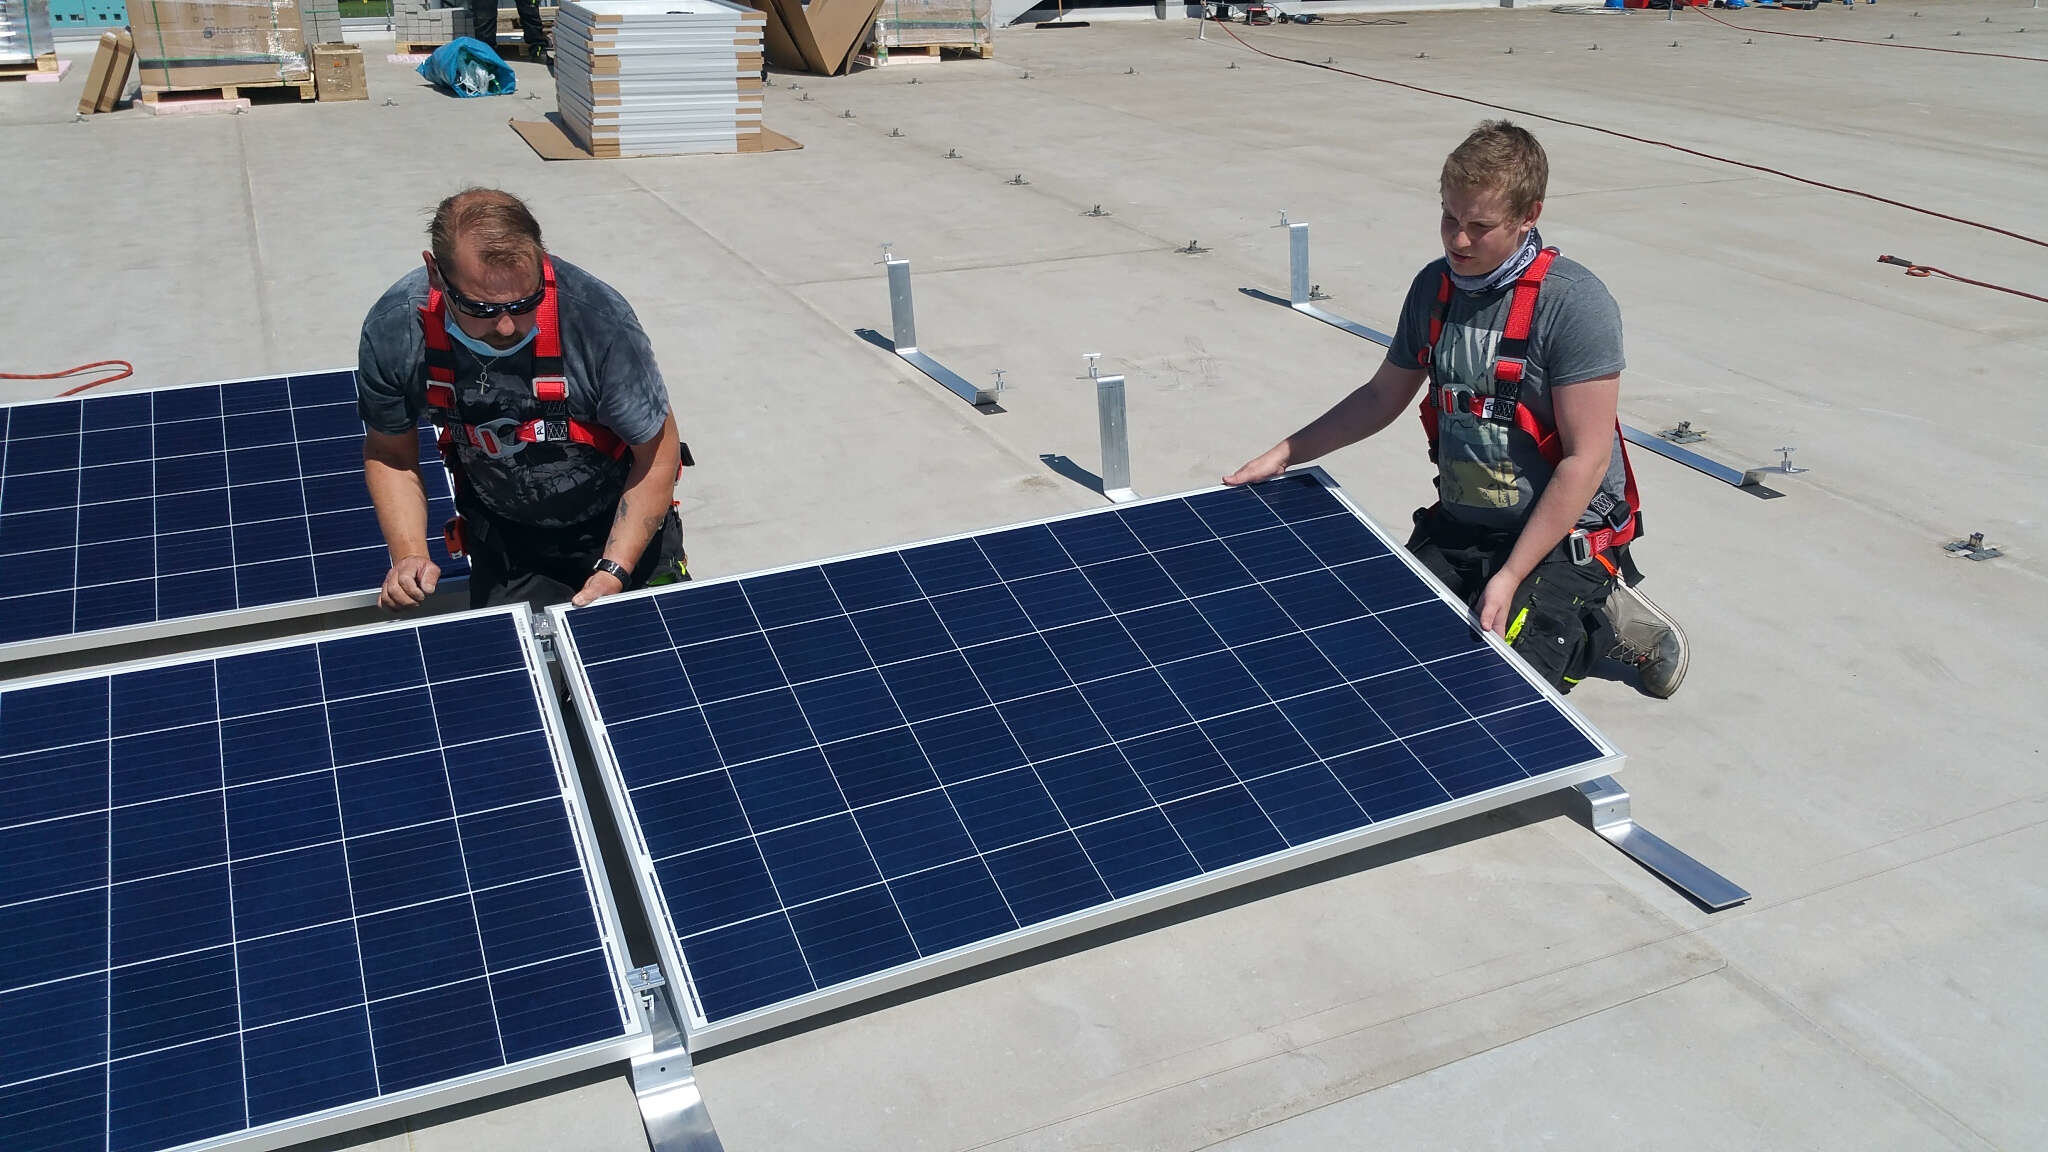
(265, 92)
(25, 37)
(107, 81)
(960, 24)
(659, 77)
(44, 65)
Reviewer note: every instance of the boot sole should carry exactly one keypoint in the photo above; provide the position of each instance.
(1684, 647)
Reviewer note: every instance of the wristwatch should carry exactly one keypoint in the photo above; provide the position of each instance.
(614, 569)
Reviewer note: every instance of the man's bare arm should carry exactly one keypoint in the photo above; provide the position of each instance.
(391, 470)
(650, 488)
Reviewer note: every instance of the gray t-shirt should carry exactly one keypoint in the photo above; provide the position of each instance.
(1486, 476)
(613, 382)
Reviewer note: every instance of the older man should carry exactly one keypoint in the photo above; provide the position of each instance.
(554, 420)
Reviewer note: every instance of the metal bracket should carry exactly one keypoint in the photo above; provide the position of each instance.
(1748, 480)
(665, 1081)
(1116, 442)
(903, 321)
(1973, 548)
(1607, 811)
(1682, 434)
(1301, 295)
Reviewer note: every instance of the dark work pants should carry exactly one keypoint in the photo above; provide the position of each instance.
(483, 22)
(1557, 620)
(510, 562)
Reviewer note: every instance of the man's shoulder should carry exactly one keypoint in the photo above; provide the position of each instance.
(1567, 278)
(587, 296)
(400, 303)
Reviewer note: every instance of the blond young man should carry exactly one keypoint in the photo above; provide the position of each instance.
(1522, 351)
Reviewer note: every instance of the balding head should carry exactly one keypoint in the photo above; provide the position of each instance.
(488, 226)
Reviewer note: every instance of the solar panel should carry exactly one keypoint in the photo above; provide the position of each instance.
(295, 889)
(152, 513)
(845, 777)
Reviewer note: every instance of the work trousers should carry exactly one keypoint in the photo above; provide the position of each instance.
(483, 22)
(1558, 618)
(510, 562)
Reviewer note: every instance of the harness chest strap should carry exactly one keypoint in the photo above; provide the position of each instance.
(550, 386)
(1510, 365)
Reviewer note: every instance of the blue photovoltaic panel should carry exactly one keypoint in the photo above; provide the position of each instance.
(838, 772)
(135, 508)
(245, 889)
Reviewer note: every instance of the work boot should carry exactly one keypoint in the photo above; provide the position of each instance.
(1647, 640)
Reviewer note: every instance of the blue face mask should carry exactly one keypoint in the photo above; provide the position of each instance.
(477, 346)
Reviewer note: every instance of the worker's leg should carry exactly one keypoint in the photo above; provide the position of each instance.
(502, 565)
(529, 24)
(1461, 558)
(1557, 620)
(483, 21)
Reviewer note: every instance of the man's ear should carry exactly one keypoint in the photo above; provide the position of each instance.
(434, 280)
(1535, 210)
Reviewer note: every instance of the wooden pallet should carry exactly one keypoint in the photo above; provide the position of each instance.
(943, 51)
(273, 92)
(414, 48)
(47, 62)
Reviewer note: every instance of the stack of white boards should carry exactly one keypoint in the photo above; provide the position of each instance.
(659, 77)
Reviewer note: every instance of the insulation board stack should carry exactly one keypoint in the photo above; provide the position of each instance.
(427, 22)
(321, 22)
(24, 30)
(659, 77)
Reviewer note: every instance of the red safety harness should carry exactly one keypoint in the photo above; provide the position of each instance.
(1505, 407)
(550, 388)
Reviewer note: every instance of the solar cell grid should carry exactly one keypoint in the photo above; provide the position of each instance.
(838, 771)
(250, 888)
(135, 509)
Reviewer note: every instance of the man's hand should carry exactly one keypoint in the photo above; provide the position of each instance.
(600, 585)
(408, 584)
(1495, 601)
(1265, 466)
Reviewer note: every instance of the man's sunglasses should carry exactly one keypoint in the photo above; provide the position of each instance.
(484, 311)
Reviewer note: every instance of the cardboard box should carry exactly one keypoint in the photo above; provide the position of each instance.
(338, 72)
(213, 43)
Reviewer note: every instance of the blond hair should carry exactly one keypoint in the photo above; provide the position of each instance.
(1502, 157)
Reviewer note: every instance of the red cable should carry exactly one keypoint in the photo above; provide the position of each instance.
(1913, 269)
(126, 371)
(1871, 43)
(1644, 140)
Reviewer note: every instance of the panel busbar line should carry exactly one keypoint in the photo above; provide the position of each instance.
(261, 894)
(126, 515)
(845, 777)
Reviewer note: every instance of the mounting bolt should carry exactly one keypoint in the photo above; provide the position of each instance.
(806, 96)
(999, 380)
(1025, 76)
(1194, 248)
(1130, 71)
(1091, 358)
(1329, 59)
(951, 154)
(1233, 63)
(1095, 211)
(1510, 51)
(1784, 458)
(895, 133)
(915, 80)
(846, 115)
(1315, 292)
(1422, 55)
(1017, 180)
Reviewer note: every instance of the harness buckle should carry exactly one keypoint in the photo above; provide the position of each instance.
(497, 439)
(1580, 546)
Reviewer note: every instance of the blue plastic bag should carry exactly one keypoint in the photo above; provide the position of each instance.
(467, 67)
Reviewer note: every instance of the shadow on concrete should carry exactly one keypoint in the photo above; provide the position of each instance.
(1064, 466)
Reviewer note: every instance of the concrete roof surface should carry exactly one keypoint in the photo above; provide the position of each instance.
(1858, 742)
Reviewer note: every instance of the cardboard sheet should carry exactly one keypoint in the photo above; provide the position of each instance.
(551, 141)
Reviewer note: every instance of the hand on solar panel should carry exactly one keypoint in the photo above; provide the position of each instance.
(410, 581)
(600, 585)
(1494, 602)
(1268, 464)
